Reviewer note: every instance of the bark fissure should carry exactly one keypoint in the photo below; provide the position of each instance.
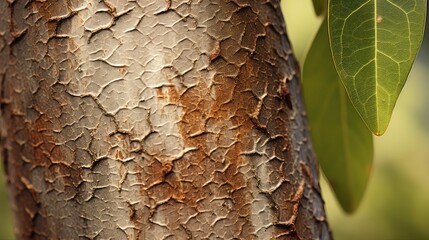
(155, 120)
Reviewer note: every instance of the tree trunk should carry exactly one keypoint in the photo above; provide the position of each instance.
(155, 119)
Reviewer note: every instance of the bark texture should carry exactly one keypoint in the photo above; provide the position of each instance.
(155, 119)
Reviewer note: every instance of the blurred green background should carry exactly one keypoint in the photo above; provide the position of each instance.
(6, 223)
(396, 205)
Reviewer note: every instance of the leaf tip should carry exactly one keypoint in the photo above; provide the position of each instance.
(349, 205)
(378, 134)
(379, 130)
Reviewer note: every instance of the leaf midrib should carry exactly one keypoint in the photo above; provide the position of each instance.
(376, 65)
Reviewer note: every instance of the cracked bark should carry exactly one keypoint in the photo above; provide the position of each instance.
(155, 120)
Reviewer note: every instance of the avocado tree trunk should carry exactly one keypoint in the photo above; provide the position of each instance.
(155, 119)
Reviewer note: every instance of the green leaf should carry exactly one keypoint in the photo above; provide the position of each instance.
(320, 6)
(341, 140)
(374, 44)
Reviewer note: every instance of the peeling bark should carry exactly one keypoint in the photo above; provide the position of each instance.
(155, 119)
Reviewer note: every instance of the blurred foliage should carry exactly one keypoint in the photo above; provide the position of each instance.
(6, 228)
(346, 159)
(396, 205)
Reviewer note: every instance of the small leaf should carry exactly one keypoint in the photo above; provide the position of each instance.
(320, 6)
(374, 44)
(341, 140)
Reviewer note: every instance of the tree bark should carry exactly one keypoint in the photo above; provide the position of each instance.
(155, 119)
